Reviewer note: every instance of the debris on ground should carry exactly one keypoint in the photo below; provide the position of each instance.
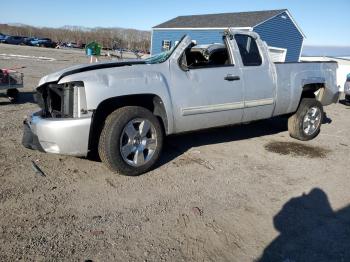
(37, 169)
(197, 211)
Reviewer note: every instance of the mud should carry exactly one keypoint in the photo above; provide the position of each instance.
(297, 149)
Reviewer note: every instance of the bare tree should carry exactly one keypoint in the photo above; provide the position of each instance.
(107, 37)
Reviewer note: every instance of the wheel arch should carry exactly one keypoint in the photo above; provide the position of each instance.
(313, 90)
(152, 102)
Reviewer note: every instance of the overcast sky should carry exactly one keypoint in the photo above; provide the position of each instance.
(324, 22)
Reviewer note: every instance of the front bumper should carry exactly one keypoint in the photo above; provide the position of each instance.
(66, 136)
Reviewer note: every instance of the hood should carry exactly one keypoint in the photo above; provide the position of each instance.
(57, 76)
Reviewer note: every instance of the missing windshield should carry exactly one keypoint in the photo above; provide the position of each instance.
(162, 57)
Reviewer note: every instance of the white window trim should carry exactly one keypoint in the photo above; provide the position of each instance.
(163, 42)
(284, 50)
(151, 48)
(301, 50)
(277, 48)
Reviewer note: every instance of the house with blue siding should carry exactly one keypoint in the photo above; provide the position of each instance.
(276, 27)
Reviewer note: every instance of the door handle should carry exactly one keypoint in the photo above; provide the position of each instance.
(232, 78)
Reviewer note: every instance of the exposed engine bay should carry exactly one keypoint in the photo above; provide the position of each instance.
(57, 100)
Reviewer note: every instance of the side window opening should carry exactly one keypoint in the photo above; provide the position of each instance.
(220, 57)
(203, 56)
(249, 50)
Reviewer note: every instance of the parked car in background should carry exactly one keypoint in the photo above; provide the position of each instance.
(3, 38)
(72, 45)
(43, 42)
(15, 40)
(27, 40)
(347, 89)
(80, 44)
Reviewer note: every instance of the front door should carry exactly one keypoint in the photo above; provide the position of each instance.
(206, 93)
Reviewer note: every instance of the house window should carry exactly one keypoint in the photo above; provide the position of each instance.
(249, 50)
(166, 44)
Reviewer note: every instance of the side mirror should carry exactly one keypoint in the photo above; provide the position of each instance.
(184, 67)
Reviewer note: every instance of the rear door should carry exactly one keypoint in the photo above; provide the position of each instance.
(258, 77)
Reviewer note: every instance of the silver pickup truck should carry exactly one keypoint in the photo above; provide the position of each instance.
(124, 110)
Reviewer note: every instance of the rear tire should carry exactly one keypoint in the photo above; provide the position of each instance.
(131, 141)
(306, 123)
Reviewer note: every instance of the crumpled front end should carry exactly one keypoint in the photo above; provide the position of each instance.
(62, 125)
(57, 100)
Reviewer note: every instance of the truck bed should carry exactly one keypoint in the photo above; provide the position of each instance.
(291, 77)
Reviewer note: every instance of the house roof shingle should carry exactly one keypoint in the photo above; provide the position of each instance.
(242, 19)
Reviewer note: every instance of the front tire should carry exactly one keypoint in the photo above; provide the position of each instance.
(305, 124)
(131, 141)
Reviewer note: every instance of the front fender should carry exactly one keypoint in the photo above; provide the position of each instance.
(130, 80)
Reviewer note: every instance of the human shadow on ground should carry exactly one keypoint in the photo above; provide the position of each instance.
(23, 97)
(310, 231)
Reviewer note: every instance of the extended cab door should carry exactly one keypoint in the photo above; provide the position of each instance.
(258, 77)
(205, 94)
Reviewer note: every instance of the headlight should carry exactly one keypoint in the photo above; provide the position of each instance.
(66, 100)
(74, 99)
(79, 105)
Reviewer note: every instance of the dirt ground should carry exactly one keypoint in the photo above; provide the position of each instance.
(241, 193)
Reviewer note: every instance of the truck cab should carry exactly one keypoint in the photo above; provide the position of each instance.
(223, 83)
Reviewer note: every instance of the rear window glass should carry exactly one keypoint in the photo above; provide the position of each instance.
(249, 50)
